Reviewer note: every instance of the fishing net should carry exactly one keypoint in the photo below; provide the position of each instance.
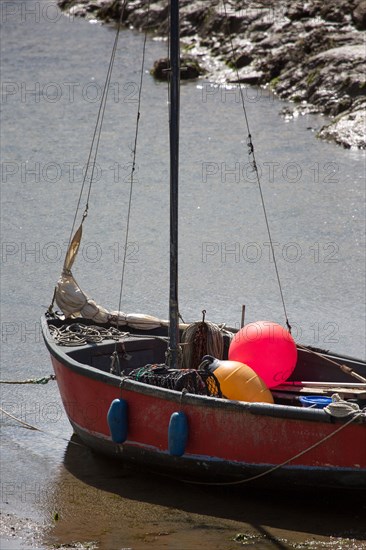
(199, 382)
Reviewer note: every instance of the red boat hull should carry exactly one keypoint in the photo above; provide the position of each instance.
(232, 439)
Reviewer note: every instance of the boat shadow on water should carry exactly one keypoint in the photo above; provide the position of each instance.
(266, 512)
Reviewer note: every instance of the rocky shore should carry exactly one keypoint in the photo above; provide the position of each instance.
(311, 53)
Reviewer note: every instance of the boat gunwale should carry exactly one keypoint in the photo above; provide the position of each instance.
(266, 409)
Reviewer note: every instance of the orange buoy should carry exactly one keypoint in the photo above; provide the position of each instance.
(268, 349)
(239, 382)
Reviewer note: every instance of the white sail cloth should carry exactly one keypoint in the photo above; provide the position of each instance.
(73, 302)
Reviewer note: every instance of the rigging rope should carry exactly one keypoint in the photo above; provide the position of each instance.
(91, 162)
(134, 152)
(255, 167)
(342, 367)
(114, 357)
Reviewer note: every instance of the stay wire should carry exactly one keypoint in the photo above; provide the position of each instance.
(133, 169)
(255, 167)
(92, 157)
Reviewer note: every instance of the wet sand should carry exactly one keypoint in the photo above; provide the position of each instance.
(96, 503)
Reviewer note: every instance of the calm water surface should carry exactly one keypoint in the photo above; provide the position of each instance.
(53, 69)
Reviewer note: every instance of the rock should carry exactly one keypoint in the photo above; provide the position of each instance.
(309, 52)
(189, 68)
(252, 78)
(339, 73)
(243, 60)
(348, 129)
(359, 16)
(335, 11)
(298, 11)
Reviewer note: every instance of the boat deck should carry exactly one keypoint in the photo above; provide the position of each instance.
(313, 375)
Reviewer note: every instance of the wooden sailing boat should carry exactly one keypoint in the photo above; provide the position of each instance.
(126, 394)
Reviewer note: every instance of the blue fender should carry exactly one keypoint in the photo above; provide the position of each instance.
(117, 418)
(177, 434)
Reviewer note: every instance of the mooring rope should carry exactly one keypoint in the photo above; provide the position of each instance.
(43, 380)
(278, 466)
(339, 408)
(35, 428)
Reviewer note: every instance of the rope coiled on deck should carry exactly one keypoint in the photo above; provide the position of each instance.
(339, 408)
(78, 334)
(200, 339)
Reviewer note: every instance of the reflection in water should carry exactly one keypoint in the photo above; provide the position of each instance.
(101, 500)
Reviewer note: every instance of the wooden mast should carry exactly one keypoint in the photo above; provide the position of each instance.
(174, 171)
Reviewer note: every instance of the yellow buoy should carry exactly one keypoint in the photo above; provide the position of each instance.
(239, 382)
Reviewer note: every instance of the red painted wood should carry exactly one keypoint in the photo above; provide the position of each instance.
(213, 432)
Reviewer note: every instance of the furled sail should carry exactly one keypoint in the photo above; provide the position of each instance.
(73, 302)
